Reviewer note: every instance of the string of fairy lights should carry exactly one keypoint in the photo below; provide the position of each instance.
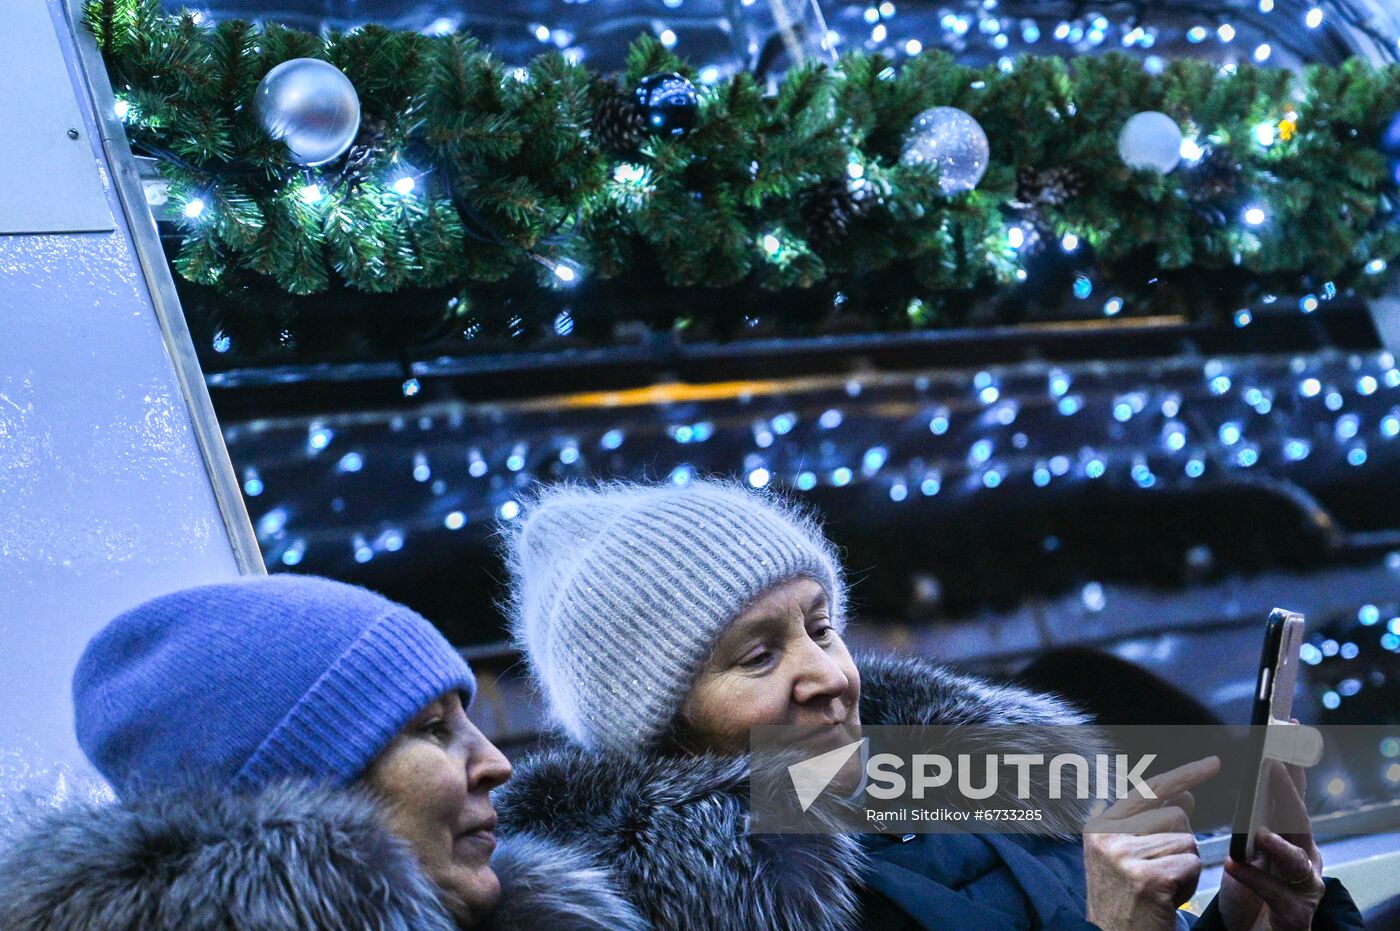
(732, 34)
(1169, 424)
(336, 493)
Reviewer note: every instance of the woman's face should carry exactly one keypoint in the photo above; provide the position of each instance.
(436, 777)
(779, 662)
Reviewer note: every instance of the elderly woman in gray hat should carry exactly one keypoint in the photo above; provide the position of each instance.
(662, 623)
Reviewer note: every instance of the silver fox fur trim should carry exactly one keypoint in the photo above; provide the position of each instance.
(289, 858)
(675, 829)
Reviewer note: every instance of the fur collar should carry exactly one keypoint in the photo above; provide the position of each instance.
(675, 833)
(675, 829)
(914, 691)
(290, 857)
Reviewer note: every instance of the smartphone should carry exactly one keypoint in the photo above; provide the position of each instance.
(1273, 701)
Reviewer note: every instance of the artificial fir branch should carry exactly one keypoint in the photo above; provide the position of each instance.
(509, 170)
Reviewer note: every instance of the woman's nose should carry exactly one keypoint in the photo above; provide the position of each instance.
(821, 677)
(487, 766)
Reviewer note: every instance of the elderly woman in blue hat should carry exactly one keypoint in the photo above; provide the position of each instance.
(288, 753)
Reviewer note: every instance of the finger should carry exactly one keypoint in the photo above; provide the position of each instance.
(1299, 774)
(1156, 821)
(1166, 785)
(1159, 846)
(1279, 896)
(1300, 781)
(1290, 813)
(1184, 872)
(1270, 890)
(1290, 863)
(1185, 801)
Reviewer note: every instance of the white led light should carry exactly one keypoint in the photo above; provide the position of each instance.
(405, 185)
(310, 193)
(1070, 242)
(194, 208)
(1190, 150)
(1262, 52)
(1314, 18)
(1254, 216)
(628, 173)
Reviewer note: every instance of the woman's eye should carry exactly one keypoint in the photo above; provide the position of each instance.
(438, 729)
(757, 660)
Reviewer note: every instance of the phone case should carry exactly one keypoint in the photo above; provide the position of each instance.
(1276, 694)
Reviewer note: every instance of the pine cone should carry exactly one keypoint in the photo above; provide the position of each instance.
(1046, 187)
(368, 146)
(619, 126)
(830, 209)
(1217, 175)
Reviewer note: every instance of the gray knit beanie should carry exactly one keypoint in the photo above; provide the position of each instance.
(618, 593)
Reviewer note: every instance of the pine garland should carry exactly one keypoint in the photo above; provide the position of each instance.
(514, 179)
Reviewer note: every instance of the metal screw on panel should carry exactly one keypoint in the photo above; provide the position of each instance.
(72, 134)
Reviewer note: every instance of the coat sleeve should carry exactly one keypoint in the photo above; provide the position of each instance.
(1336, 912)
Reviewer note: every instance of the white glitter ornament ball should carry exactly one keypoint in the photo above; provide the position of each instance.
(1150, 141)
(311, 106)
(954, 142)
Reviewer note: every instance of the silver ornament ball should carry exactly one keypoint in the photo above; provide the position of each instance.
(1150, 141)
(954, 142)
(311, 106)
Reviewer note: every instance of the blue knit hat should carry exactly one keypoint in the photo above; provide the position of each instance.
(251, 681)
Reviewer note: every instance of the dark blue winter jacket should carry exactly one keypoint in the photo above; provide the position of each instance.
(1006, 882)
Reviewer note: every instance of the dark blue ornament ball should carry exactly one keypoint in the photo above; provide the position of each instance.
(669, 103)
(1390, 139)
